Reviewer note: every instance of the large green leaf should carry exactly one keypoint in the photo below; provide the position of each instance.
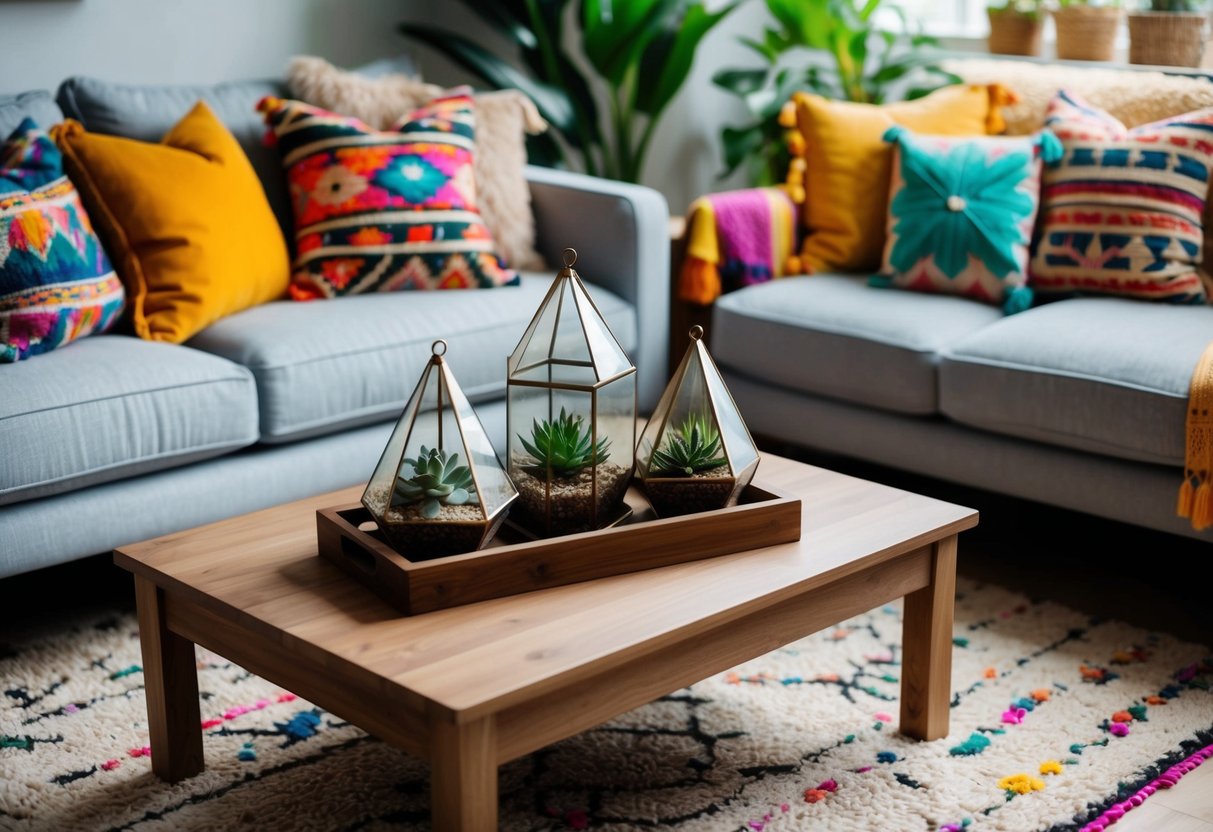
(509, 16)
(670, 55)
(740, 143)
(553, 102)
(806, 22)
(615, 33)
(740, 81)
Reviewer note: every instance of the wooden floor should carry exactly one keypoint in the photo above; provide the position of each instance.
(1043, 552)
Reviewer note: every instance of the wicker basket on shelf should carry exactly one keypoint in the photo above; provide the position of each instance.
(1167, 38)
(1012, 33)
(1086, 33)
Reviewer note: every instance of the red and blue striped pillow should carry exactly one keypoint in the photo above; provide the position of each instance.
(1123, 212)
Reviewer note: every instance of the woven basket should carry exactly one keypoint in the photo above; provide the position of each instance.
(1166, 38)
(1014, 34)
(1086, 33)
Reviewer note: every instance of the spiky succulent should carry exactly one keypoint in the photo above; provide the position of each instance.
(438, 480)
(564, 444)
(689, 448)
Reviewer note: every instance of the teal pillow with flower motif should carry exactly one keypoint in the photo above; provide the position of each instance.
(384, 210)
(962, 212)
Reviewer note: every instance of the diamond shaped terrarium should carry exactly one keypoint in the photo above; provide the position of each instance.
(571, 415)
(695, 452)
(439, 488)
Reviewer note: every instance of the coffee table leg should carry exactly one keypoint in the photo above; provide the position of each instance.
(463, 788)
(170, 677)
(926, 645)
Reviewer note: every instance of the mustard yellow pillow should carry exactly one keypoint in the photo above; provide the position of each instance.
(186, 222)
(847, 165)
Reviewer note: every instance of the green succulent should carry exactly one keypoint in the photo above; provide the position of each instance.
(692, 447)
(437, 480)
(564, 445)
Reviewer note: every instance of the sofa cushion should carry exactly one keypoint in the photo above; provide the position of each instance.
(112, 406)
(1105, 375)
(148, 111)
(325, 366)
(833, 335)
(36, 104)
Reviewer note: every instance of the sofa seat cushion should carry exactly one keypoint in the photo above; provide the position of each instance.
(113, 406)
(835, 336)
(1106, 375)
(327, 365)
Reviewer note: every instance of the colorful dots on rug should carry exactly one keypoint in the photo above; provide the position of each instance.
(301, 726)
(247, 753)
(126, 671)
(1156, 700)
(1096, 675)
(1014, 716)
(210, 723)
(1021, 784)
(141, 751)
(25, 743)
(110, 765)
(990, 673)
(883, 716)
(975, 744)
(1130, 656)
(886, 757)
(821, 791)
(1122, 716)
(1041, 694)
(956, 827)
(1138, 712)
(1050, 767)
(1118, 729)
(960, 641)
(839, 634)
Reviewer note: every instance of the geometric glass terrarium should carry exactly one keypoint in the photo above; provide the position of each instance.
(570, 415)
(439, 488)
(695, 452)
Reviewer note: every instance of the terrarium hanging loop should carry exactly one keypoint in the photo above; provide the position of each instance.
(568, 257)
(696, 332)
(438, 348)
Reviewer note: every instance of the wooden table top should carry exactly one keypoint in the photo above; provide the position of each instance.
(262, 570)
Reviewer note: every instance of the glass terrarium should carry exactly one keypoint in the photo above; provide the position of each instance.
(439, 488)
(695, 452)
(571, 415)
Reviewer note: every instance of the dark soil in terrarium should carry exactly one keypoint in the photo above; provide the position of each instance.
(456, 529)
(702, 491)
(572, 504)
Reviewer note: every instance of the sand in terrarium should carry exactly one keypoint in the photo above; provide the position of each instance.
(456, 528)
(572, 500)
(701, 491)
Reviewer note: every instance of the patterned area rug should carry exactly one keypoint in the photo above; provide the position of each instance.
(1057, 721)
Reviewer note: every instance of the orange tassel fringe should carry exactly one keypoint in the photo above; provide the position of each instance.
(1195, 498)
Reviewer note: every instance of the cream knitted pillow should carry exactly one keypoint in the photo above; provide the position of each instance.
(503, 119)
(1133, 97)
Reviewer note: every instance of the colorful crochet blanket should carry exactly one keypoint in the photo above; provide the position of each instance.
(1196, 492)
(738, 238)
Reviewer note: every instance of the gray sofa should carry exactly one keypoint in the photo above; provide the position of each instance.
(112, 440)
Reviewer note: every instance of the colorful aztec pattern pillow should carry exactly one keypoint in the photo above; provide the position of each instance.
(56, 282)
(381, 211)
(961, 214)
(1122, 214)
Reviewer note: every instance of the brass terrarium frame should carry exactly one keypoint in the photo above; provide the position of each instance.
(588, 314)
(736, 442)
(449, 396)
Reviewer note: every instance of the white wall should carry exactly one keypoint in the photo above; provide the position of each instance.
(203, 41)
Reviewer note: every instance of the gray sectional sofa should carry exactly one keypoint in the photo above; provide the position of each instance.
(112, 440)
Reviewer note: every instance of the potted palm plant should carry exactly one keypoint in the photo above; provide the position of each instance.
(1086, 29)
(1016, 27)
(1168, 33)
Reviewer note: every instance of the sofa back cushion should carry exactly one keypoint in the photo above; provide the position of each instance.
(148, 111)
(36, 104)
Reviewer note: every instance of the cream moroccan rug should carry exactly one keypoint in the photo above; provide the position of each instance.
(1057, 721)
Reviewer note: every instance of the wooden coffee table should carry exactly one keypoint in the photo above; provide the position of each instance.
(472, 687)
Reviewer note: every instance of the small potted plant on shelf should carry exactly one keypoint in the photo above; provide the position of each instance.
(695, 452)
(1168, 33)
(1086, 29)
(1016, 27)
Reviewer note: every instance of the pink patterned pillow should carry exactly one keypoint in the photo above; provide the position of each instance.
(380, 211)
(1123, 213)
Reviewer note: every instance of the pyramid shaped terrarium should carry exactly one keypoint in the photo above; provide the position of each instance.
(439, 488)
(571, 415)
(695, 452)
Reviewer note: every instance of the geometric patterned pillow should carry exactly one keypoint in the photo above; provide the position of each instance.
(1123, 212)
(381, 211)
(961, 214)
(56, 282)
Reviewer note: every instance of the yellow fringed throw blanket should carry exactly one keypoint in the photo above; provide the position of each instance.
(1196, 493)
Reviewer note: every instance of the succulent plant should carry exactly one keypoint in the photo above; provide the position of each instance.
(438, 480)
(564, 445)
(691, 447)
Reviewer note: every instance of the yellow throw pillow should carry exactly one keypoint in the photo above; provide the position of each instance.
(186, 222)
(848, 165)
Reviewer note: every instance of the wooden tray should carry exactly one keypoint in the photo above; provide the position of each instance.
(511, 564)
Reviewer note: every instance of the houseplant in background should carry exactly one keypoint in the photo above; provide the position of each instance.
(1016, 27)
(1086, 29)
(835, 48)
(638, 54)
(1168, 33)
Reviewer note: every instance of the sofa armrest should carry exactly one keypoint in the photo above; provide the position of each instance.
(621, 234)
